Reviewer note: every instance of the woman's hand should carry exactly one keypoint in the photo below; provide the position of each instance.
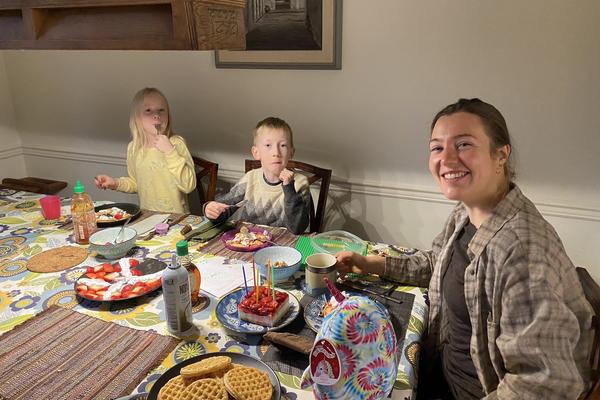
(162, 143)
(105, 182)
(350, 262)
(213, 209)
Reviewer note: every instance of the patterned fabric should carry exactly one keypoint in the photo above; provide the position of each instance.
(274, 205)
(363, 337)
(160, 180)
(530, 336)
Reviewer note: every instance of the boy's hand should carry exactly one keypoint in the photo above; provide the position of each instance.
(213, 209)
(162, 143)
(350, 262)
(105, 182)
(286, 176)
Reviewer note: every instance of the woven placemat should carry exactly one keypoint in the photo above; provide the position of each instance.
(215, 246)
(62, 354)
(57, 259)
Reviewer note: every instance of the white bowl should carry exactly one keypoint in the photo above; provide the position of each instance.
(101, 242)
(289, 255)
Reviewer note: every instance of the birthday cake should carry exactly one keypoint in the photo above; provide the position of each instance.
(267, 311)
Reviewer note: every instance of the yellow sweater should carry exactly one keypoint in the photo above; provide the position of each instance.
(161, 181)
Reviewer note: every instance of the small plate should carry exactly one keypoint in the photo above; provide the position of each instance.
(231, 234)
(146, 267)
(227, 314)
(130, 208)
(236, 358)
(312, 312)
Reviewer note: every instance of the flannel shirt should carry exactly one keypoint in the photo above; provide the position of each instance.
(531, 323)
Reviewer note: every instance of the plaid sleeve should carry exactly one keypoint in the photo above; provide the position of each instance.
(535, 329)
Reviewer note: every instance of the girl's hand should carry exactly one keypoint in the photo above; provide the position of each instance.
(105, 182)
(350, 262)
(286, 176)
(213, 209)
(162, 143)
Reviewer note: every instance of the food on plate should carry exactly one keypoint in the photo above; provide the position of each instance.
(268, 310)
(217, 378)
(111, 215)
(248, 383)
(331, 305)
(246, 238)
(120, 280)
(279, 264)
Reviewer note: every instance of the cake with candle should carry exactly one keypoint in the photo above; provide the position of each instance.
(267, 310)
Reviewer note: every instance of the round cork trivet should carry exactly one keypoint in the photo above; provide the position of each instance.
(58, 259)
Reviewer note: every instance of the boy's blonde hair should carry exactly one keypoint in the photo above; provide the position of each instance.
(274, 123)
(135, 124)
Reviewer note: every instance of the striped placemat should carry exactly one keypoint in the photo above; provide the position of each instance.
(215, 246)
(62, 354)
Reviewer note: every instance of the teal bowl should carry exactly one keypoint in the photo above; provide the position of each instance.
(288, 255)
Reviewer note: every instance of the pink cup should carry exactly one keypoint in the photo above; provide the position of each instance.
(50, 207)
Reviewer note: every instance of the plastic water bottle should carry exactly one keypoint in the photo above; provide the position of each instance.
(176, 296)
(82, 214)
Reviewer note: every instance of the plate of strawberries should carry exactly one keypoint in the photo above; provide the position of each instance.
(124, 279)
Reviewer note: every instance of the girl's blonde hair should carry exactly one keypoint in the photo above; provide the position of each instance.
(135, 123)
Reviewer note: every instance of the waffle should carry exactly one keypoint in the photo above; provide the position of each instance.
(245, 383)
(205, 389)
(172, 389)
(206, 366)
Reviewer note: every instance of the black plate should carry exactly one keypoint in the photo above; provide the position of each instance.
(236, 358)
(130, 208)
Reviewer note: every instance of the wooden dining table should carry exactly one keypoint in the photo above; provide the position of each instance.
(24, 294)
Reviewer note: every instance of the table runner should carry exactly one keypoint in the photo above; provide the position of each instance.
(61, 353)
(215, 246)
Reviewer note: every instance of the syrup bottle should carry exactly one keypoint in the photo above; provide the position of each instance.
(82, 214)
(185, 260)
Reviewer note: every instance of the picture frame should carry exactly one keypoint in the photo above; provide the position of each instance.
(328, 57)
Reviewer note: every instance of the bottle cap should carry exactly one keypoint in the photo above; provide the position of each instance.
(78, 187)
(182, 248)
(161, 229)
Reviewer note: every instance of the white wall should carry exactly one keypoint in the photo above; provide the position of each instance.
(12, 162)
(537, 61)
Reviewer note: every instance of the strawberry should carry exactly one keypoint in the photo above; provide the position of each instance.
(89, 270)
(133, 262)
(117, 267)
(137, 290)
(115, 296)
(100, 275)
(108, 268)
(81, 288)
(118, 215)
(126, 288)
(101, 293)
(112, 276)
(90, 275)
(136, 272)
(96, 287)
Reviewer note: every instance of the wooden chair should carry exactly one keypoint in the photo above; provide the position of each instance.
(592, 294)
(314, 174)
(34, 185)
(205, 168)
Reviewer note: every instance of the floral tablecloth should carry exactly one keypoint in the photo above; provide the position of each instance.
(23, 294)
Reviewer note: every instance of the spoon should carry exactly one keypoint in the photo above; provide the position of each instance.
(121, 231)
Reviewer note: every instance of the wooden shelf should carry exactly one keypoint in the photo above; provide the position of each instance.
(120, 24)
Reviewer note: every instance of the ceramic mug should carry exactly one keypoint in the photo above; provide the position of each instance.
(318, 266)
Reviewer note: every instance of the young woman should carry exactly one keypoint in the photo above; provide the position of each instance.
(508, 318)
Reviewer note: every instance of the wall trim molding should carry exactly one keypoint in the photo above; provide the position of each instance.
(406, 192)
(11, 152)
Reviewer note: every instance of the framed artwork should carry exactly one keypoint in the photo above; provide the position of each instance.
(309, 36)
